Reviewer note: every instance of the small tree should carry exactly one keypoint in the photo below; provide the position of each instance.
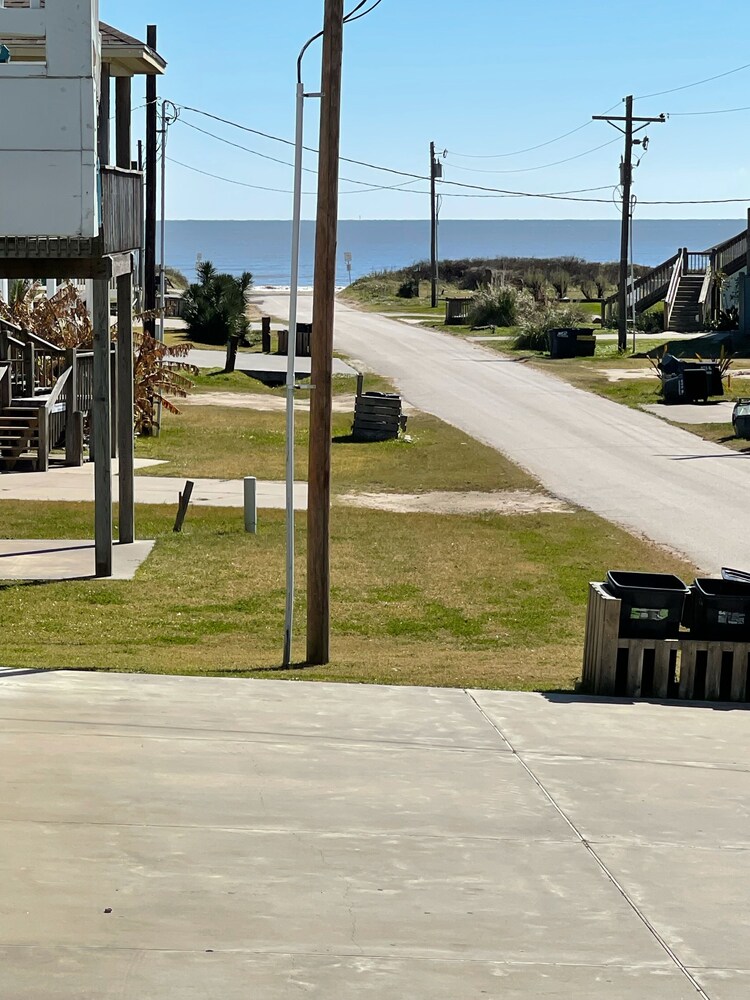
(536, 283)
(560, 281)
(215, 306)
(589, 289)
(601, 282)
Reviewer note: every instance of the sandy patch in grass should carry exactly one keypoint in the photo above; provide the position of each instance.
(471, 502)
(256, 401)
(625, 374)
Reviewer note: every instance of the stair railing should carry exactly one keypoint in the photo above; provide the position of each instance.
(48, 433)
(730, 255)
(674, 284)
(6, 390)
(705, 300)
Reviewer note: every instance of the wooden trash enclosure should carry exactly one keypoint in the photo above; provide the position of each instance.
(457, 311)
(302, 346)
(377, 416)
(686, 668)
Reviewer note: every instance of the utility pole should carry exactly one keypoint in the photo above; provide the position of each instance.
(436, 171)
(324, 296)
(626, 182)
(149, 269)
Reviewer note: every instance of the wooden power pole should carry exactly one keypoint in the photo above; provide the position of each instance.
(324, 295)
(626, 182)
(149, 268)
(435, 172)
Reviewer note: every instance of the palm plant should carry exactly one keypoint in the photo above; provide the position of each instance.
(215, 306)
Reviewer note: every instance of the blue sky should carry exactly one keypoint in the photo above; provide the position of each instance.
(482, 78)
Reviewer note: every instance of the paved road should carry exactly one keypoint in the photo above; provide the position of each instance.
(627, 466)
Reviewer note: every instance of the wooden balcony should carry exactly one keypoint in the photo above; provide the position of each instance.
(80, 257)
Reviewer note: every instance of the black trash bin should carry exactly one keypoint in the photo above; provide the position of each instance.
(741, 418)
(718, 610)
(562, 343)
(652, 603)
(571, 342)
(686, 381)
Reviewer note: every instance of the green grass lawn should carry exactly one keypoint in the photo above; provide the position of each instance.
(226, 443)
(492, 601)
(484, 601)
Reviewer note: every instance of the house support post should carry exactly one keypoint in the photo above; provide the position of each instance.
(102, 431)
(73, 447)
(125, 405)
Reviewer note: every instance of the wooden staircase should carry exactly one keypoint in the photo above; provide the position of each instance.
(19, 434)
(687, 283)
(685, 314)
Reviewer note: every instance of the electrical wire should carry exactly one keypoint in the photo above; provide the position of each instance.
(542, 166)
(528, 149)
(288, 142)
(284, 163)
(259, 187)
(690, 114)
(349, 19)
(696, 83)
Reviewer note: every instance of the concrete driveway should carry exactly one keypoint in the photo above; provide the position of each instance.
(195, 838)
(628, 466)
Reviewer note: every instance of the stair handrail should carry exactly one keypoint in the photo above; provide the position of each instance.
(40, 343)
(650, 282)
(729, 251)
(674, 284)
(6, 389)
(45, 409)
(706, 295)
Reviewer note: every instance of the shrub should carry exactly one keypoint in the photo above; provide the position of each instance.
(494, 305)
(176, 278)
(535, 327)
(409, 289)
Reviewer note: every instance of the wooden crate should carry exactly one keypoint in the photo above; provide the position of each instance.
(686, 668)
(377, 416)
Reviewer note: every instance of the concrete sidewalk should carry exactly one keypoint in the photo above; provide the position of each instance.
(201, 837)
(247, 362)
(77, 484)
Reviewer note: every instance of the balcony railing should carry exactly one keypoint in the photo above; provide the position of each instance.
(121, 228)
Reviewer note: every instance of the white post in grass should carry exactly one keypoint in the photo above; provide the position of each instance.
(251, 504)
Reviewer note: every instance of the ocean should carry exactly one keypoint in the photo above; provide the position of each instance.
(263, 248)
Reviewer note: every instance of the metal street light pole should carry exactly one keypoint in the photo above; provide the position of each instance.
(292, 351)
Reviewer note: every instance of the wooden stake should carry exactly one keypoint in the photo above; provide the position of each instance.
(183, 505)
(324, 294)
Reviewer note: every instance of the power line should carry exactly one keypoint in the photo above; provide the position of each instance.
(309, 149)
(690, 114)
(260, 187)
(696, 83)
(527, 149)
(542, 166)
(484, 192)
(274, 159)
